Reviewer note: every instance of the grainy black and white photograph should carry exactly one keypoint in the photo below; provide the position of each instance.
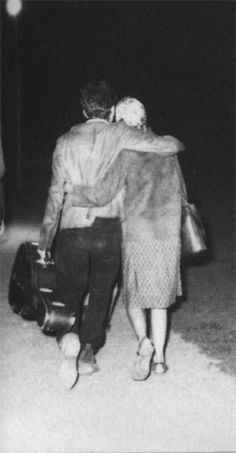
(117, 226)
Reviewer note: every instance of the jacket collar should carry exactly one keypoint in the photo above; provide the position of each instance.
(94, 120)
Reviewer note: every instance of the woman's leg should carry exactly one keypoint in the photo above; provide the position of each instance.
(142, 364)
(138, 320)
(159, 331)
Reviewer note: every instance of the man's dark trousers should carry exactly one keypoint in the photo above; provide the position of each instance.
(88, 259)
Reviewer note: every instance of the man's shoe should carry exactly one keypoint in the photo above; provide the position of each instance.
(69, 344)
(142, 365)
(87, 360)
(68, 373)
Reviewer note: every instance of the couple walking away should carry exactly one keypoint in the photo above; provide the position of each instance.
(115, 196)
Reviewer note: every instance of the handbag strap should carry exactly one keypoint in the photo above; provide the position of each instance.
(183, 188)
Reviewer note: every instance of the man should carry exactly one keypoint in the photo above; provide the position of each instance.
(88, 244)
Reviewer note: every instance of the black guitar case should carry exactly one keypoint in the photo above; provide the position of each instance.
(33, 291)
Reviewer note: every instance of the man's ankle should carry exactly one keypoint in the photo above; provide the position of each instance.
(87, 353)
(87, 360)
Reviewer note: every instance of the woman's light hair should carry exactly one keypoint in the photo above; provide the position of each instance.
(132, 112)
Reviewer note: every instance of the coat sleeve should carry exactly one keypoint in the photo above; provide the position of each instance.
(105, 189)
(55, 198)
(139, 140)
(183, 189)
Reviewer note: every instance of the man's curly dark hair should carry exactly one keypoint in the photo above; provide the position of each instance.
(97, 98)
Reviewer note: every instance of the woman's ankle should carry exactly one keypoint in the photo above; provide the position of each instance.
(158, 358)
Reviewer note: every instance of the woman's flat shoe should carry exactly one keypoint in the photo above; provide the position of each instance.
(142, 365)
(159, 367)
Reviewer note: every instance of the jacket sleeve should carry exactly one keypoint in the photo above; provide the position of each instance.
(148, 141)
(55, 198)
(183, 189)
(105, 189)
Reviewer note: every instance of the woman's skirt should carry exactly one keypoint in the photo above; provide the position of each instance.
(151, 273)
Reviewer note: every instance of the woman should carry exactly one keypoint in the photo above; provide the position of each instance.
(151, 237)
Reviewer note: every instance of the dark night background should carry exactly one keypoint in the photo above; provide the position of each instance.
(176, 57)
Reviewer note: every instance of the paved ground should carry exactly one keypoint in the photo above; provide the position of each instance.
(191, 408)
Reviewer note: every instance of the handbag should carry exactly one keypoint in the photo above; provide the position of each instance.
(193, 236)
